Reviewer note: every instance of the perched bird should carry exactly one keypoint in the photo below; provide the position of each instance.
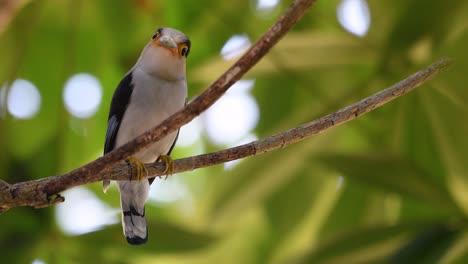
(154, 89)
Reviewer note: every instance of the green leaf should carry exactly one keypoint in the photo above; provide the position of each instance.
(393, 174)
(458, 250)
(257, 179)
(427, 246)
(298, 52)
(163, 238)
(370, 244)
(298, 219)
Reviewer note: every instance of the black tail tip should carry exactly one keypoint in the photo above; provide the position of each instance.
(137, 240)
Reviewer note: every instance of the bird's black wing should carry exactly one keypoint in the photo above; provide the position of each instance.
(119, 104)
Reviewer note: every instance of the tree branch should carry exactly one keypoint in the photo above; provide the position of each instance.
(9, 193)
(291, 136)
(43, 192)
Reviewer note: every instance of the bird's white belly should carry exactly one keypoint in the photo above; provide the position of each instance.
(148, 108)
(142, 122)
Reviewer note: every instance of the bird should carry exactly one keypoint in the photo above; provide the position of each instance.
(154, 89)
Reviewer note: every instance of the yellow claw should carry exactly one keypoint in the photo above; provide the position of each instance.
(140, 168)
(169, 164)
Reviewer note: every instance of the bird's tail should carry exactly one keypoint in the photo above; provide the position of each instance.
(133, 195)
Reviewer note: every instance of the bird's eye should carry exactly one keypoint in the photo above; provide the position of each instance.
(184, 50)
(155, 36)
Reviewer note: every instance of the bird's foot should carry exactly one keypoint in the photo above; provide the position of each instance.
(169, 164)
(140, 168)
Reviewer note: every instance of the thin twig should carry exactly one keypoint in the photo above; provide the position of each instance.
(43, 192)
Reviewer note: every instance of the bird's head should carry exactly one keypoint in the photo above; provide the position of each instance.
(165, 54)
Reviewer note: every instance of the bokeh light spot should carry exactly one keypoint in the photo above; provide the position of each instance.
(169, 190)
(354, 16)
(233, 116)
(339, 182)
(84, 212)
(82, 95)
(266, 5)
(23, 99)
(235, 46)
(190, 133)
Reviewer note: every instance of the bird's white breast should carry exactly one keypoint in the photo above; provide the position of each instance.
(152, 101)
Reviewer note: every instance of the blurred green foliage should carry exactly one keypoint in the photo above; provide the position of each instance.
(391, 186)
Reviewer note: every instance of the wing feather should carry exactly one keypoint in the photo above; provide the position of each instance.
(119, 104)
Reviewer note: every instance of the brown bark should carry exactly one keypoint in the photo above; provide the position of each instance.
(41, 192)
(44, 192)
(36, 193)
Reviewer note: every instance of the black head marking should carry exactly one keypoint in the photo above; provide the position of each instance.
(157, 33)
(189, 44)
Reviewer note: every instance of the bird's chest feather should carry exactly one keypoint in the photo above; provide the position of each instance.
(151, 102)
